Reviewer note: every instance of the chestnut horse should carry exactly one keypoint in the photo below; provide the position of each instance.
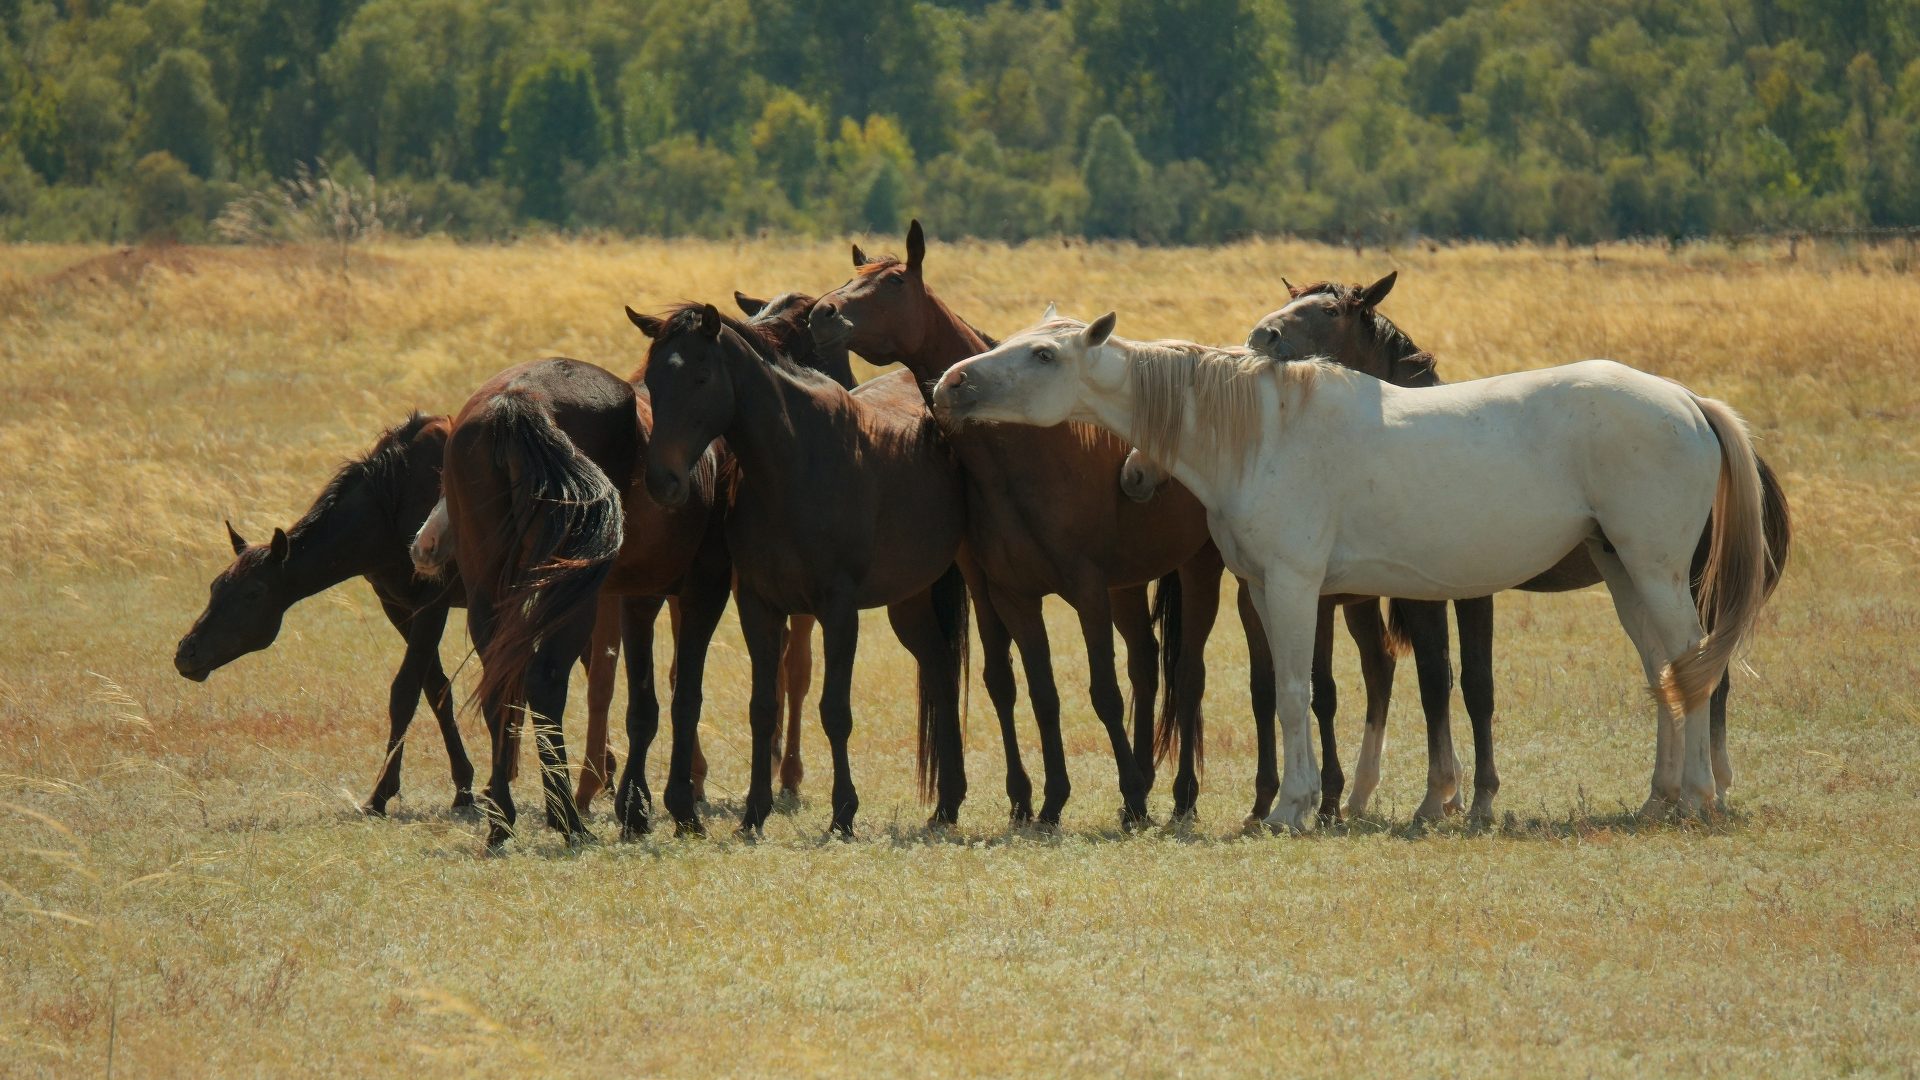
(1342, 323)
(840, 502)
(360, 526)
(1039, 523)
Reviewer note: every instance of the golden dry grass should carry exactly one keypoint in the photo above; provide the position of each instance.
(185, 889)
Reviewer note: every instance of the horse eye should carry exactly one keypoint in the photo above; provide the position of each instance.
(1045, 356)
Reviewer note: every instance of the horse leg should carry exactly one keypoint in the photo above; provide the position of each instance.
(1023, 620)
(546, 688)
(1377, 665)
(1103, 685)
(1133, 618)
(916, 622)
(596, 765)
(632, 800)
(1717, 731)
(1425, 625)
(1288, 603)
(402, 698)
(701, 604)
(496, 799)
(1199, 608)
(1475, 620)
(839, 639)
(762, 627)
(699, 768)
(439, 693)
(1326, 706)
(796, 667)
(1260, 694)
(996, 671)
(1637, 621)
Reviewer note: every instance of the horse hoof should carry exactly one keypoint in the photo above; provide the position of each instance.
(582, 838)
(690, 827)
(1020, 814)
(1656, 809)
(497, 837)
(1132, 818)
(462, 800)
(373, 809)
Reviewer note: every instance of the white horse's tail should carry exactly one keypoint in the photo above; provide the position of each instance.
(1733, 585)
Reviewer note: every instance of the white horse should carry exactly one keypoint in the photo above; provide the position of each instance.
(1319, 480)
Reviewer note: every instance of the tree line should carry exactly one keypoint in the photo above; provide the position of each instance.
(1163, 121)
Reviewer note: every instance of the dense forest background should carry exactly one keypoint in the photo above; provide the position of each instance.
(1166, 122)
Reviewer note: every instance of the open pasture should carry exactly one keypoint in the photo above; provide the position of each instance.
(185, 885)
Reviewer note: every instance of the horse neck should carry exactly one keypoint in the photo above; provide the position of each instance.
(349, 536)
(948, 341)
(772, 410)
(1209, 480)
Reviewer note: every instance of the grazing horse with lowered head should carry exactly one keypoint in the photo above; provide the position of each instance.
(360, 526)
(1318, 480)
(838, 503)
(1037, 526)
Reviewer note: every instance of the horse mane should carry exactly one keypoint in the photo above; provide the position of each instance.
(1223, 385)
(1406, 364)
(686, 316)
(383, 468)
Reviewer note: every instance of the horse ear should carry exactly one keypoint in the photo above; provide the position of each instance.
(648, 325)
(1293, 290)
(279, 546)
(1052, 312)
(1097, 332)
(1378, 291)
(748, 304)
(859, 257)
(233, 538)
(709, 320)
(916, 246)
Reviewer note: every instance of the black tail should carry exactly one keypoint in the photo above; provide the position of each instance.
(561, 531)
(1168, 628)
(950, 610)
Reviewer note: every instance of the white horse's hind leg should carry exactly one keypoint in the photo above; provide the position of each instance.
(1634, 618)
(1288, 607)
(1671, 611)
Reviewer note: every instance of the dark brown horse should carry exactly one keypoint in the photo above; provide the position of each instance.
(539, 467)
(1342, 323)
(360, 526)
(1038, 525)
(839, 502)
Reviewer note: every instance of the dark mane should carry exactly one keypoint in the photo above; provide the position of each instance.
(685, 318)
(383, 468)
(1408, 364)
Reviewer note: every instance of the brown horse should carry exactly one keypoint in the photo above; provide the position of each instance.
(1342, 323)
(539, 467)
(1037, 526)
(839, 503)
(360, 526)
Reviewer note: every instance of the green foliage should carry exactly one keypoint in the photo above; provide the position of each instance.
(181, 117)
(166, 198)
(1163, 121)
(553, 117)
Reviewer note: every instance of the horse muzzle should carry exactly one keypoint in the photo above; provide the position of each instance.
(667, 487)
(1266, 340)
(186, 661)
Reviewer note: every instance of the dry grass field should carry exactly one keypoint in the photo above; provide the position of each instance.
(185, 888)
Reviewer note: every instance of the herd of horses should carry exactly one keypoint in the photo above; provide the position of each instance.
(1324, 463)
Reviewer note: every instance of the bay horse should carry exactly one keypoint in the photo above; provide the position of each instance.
(1318, 480)
(540, 464)
(1342, 322)
(839, 503)
(1035, 527)
(360, 525)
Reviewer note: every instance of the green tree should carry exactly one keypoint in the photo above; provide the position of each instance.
(553, 116)
(1116, 177)
(166, 197)
(180, 115)
(788, 140)
(1196, 79)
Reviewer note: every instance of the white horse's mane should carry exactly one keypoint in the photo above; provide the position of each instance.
(1223, 384)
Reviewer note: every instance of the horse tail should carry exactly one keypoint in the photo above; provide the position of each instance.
(950, 612)
(562, 528)
(1169, 629)
(1396, 640)
(1733, 583)
(1778, 521)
